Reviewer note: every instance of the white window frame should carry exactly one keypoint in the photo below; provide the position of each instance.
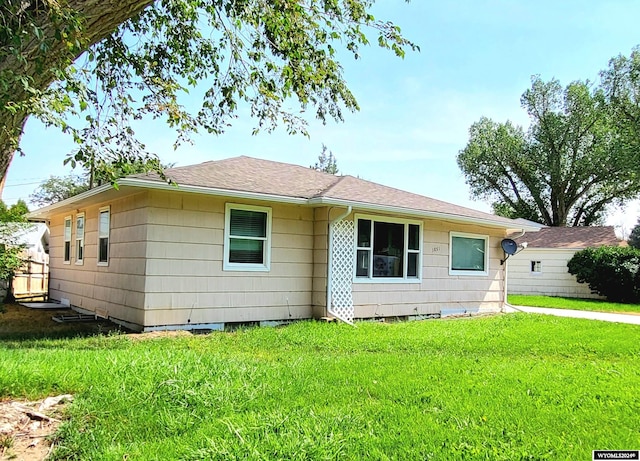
(538, 263)
(230, 266)
(486, 254)
(79, 240)
(104, 209)
(67, 219)
(406, 251)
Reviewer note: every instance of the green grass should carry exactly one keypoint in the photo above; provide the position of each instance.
(573, 303)
(511, 387)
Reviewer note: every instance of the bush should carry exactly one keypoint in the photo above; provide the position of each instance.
(613, 272)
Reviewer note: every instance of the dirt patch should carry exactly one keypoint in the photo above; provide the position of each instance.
(158, 334)
(26, 427)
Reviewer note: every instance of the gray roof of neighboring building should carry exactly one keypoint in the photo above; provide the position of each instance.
(571, 237)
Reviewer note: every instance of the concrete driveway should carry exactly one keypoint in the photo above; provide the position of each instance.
(604, 316)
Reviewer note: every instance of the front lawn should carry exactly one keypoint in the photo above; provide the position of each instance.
(507, 387)
(573, 303)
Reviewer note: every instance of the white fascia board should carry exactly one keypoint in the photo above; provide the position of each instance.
(545, 249)
(419, 213)
(42, 213)
(157, 185)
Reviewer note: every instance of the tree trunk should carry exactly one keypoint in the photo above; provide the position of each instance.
(101, 18)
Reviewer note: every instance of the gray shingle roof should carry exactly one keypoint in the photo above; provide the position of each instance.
(251, 175)
(570, 237)
(267, 180)
(259, 176)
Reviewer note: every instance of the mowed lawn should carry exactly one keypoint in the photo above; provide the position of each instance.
(559, 302)
(506, 387)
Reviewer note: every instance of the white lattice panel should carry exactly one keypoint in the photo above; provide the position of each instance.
(342, 261)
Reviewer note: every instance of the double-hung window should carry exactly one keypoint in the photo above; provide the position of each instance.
(67, 240)
(80, 238)
(104, 223)
(388, 249)
(247, 238)
(468, 254)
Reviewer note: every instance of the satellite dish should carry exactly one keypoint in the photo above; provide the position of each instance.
(509, 246)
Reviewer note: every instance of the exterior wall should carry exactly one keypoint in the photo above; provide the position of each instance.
(186, 283)
(320, 261)
(116, 290)
(166, 267)
(438, 292)
(554, 280)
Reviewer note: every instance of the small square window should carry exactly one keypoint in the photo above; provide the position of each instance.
(536, 266)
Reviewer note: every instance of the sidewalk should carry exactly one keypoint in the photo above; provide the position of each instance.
(604, 316)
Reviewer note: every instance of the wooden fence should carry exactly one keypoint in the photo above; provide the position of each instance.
(32, 280)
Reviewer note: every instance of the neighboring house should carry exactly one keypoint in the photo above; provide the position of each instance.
(541, 268)
(249, 240)
(35, 239)
(31, 279)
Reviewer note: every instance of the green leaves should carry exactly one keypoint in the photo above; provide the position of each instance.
(264, 55)
(613, 272)
(580, 153)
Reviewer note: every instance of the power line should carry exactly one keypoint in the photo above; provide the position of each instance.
(22, 184)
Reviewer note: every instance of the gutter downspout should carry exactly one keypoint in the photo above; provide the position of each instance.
(505, 303)
(330, 260)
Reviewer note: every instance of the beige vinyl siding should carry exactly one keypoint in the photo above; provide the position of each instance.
(437, 290)
(186, 283)
(320, 261)
(554, 280)
(116, 290)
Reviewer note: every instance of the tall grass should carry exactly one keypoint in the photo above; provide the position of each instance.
(516, 387)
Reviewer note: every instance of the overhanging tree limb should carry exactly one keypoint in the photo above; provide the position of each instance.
(256, 53)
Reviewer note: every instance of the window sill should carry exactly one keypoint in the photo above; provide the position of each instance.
(245, 268)
(381, 280)
(469, 273)
(103, 264)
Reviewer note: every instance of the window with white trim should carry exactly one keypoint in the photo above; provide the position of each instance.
(104, 224)
(536, 267)
(80, 238)
(67, 239)
(468, 254)
(388, 249)
(247, 238)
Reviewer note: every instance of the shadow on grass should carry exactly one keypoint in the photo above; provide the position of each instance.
(22, 324)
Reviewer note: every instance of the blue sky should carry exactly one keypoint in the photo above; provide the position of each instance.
(477, 57)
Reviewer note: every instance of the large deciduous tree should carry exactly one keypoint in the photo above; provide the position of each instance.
(113, 62)
(580, 154)
(634, 236)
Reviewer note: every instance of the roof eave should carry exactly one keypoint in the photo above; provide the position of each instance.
(157, 185)
(45, 212)
(421, 213)
(48, 211)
